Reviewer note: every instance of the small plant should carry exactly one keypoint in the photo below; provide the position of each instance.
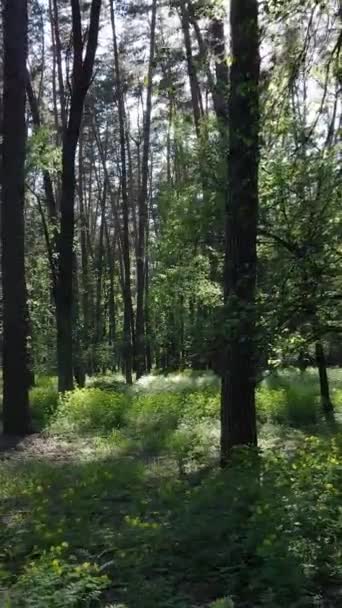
(288, 401)
(90, 410)
(44, 403)
(225, 602)
(301, 404)
(56, 581)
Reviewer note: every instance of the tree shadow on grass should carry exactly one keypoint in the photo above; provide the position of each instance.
(252, 531)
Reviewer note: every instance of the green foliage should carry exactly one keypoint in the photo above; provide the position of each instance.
(290, 398)
(89, 411)
(57, 581)
(225, 602)
(165, 526)
(42, 154)
(44, 403)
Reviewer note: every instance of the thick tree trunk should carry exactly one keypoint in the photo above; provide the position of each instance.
(143, 209)
(326, 402)
(238, 416)
(16, 414)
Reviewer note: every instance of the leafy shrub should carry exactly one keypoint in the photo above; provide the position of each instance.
(288, 403)
(108, 382)
(171, 420)
(202, 404)
(151, 418)
(225, 602)
(192, 442)
(301, 404)
(47, 382)
(44, 403)
(90, 410)
(270, 404)
(56, 581)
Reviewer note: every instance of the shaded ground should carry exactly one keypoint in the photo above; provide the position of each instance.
(109, 517)
(165, 541)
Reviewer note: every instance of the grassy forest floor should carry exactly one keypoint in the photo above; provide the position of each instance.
(119, 501)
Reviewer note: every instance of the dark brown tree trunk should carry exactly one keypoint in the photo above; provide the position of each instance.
(78, 360)
(326, 402)
(16, 413)
(85, 283)
(143, 209)
(128, 324)
(81, 78)
(238, 418)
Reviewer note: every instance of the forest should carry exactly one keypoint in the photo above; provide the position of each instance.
(171, 304)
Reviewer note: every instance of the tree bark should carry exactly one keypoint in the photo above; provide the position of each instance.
(326, 402)
(16, 413)
(81, 78)
(197, 106)
(143, 208)
(128, 325)
(100, 263)
(238, 418)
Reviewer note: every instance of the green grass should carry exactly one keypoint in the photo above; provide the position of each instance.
(121, 503)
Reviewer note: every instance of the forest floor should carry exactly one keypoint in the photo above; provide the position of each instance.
(119, 500)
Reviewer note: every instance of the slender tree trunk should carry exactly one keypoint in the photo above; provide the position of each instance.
(48, 187)
(197, 106)
(82, 74)
(127, 294)
(85, 286)
(238, 416)
(16, 414)
(58, 54)
(78, 362)
(148, 336)
(143, 208)
(326, 402)
(100, 261)
(112, 303)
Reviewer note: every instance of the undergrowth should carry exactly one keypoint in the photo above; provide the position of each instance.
(149, 521)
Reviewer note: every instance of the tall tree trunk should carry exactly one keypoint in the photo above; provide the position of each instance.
(85, 283)
(238, 418)
(82, 74)
(128, 328)
(78, 361)
(48, 187)
(197, 106)
(100, 261)
(326, 402)
(147, 309)
(16, 414)
(110, 248)
(143, 208)
(58, 55)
